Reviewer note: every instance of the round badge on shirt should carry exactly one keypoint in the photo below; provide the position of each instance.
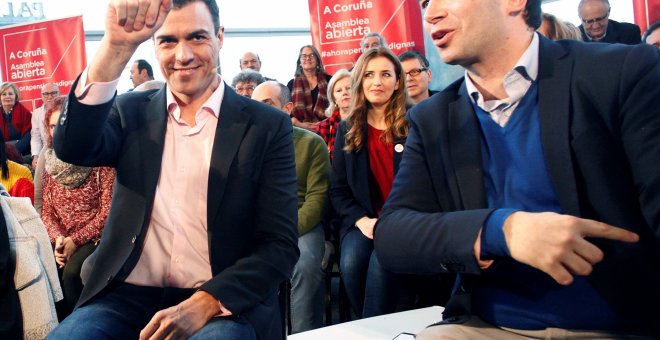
(398, 148)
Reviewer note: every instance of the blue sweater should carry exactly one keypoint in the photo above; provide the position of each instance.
(516, 178)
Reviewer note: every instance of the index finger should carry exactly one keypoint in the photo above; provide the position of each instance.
(157, 9)
(599, 229)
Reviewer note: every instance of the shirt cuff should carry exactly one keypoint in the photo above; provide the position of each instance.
(223, 310)
(493, 242)
(95, 93)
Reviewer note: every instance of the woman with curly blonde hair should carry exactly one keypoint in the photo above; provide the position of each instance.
(367, 152)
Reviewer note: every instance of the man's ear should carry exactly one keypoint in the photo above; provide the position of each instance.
(288, 107)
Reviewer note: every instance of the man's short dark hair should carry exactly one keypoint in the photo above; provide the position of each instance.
(650, 30)
(532, 13)
(212, 5)
(414, 55)
(144, 65)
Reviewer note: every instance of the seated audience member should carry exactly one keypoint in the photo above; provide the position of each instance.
(372, 40)
(15, 120)
(49, 93)
(652, 35)
(251, 60)
(202, 228)
(339, 98)
(309, 89)
(418, 75)
(535, 179)
(75, 204)
(11, 172)
(367, 152)
(598, 27)
(313, 172)
(245, 82)
(555, 29)
(141, 72)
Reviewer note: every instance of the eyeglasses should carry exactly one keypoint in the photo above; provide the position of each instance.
(596, 20)
(53, 93)
(249, 88)
(416, 71)
(306, 56)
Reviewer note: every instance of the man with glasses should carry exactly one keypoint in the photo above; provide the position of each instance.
(418, 75)
(49, 93)
(597, 27)
(245, 82)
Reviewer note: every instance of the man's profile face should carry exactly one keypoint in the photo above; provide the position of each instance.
(268, 94)
(371, 42)
(465, 31)
(136, 77)
(594, 16)
(187, 50)
(250, 60)
(417, 77)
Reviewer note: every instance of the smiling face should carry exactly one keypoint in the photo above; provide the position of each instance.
(308, 59)
(379, 81)
(187, 50)
(341, 93)
(464, 31)
(8, 97)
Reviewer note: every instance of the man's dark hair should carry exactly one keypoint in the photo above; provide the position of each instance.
(414, 55)
(650, 30)
(212, 5)
(532, 13)
(144, 65)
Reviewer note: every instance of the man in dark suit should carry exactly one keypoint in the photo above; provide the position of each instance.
(202, 227)
(597, 27)
(534, 178)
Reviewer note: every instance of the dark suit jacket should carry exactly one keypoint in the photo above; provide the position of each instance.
(350, 181)
(600, 126)
(252, 203)
(618, 32)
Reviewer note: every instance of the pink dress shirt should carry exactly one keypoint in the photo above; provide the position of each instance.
(175, 252)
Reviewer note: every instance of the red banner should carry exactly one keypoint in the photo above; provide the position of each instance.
(646, 12)
(338, 26)
(42, 52)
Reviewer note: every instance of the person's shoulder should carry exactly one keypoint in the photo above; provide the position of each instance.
(19, 170)
(438, 100)
(307, 136)
(625, 26)
(603, 54)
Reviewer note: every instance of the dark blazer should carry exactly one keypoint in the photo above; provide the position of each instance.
(252, 203)
(618, 32)
(600, 127)
(350, 180)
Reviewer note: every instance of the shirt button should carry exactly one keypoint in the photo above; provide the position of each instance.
(176, 260)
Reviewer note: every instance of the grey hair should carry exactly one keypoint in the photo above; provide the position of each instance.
(247, 76)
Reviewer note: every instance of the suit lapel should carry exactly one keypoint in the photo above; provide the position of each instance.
(555, 68)
(232, 124)
(465, 151)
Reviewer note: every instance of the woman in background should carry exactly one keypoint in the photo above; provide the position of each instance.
(75, 205)
(339, 96)
(12, 173)
(555, 29)
(309, 89)
(367, 153)
(16, 120)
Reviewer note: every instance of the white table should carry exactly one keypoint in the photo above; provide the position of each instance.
(383, 327)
